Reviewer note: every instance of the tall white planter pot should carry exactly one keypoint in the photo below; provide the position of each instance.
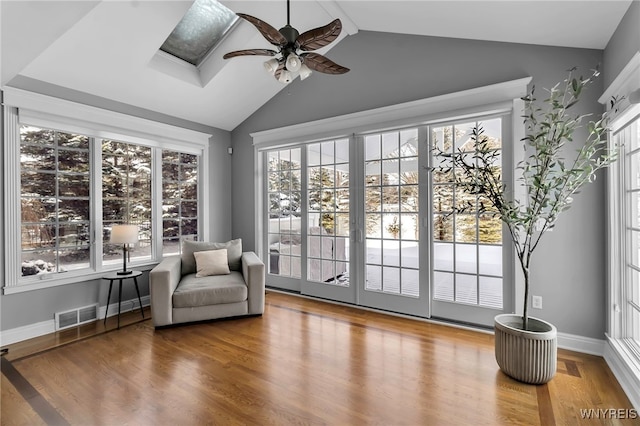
(529, 356)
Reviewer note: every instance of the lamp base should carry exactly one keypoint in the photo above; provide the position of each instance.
(124, 272)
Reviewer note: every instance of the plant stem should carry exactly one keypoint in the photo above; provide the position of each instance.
(524, 262)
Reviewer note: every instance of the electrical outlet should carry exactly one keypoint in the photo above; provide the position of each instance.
(537, 302)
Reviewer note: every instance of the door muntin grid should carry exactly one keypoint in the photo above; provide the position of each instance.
(391, 198)
(466, 244)
(328, 212)
(284, 198)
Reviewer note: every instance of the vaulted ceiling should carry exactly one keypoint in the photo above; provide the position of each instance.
(109, 49)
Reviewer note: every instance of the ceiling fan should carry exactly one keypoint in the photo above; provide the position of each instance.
(289, 61)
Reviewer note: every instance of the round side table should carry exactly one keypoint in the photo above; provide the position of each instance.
(114, 276)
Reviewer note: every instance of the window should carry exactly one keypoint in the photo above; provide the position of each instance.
(126, 196)
(199, 31)
(622, 351)
(622, 348)
(73, 174)
(628, 139)
(179, 199)
(54, 201)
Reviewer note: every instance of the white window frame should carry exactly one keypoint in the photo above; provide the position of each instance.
(622, 355)
(21, 106)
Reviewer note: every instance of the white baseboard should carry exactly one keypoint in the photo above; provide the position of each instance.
(586, 345)
(19, 334)
(125, 306)
(626, 373)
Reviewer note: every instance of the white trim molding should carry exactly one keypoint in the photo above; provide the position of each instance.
(19, 334)
(620, 353)
(47, 110)
(585, 345)
(626, 83)
(625, 368)
(493, 98)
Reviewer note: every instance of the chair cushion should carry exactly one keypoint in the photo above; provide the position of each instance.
(234, 254)
(211, 290)
(211, 262)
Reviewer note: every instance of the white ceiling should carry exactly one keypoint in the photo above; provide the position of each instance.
(109, 49)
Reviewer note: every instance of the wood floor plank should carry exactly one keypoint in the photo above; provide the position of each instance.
(303, 362)
(18, 412)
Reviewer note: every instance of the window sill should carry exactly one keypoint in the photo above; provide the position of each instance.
(48, 281)
(625, 366)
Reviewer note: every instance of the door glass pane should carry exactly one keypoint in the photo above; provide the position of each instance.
(467, 235)
(329, 215)
(443, 286)
(391, 187)
(284, 197)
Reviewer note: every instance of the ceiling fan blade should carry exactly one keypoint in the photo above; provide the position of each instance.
(322, 64)
(272, 35)
(319, 37)
(250, 52)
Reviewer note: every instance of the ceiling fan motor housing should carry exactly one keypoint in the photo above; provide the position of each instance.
(290, 33)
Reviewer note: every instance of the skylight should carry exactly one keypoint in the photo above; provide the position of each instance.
(200, 30)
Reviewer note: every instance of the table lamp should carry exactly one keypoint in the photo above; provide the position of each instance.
(124, 234)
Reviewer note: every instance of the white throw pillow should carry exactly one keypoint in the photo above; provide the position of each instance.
(211, 262)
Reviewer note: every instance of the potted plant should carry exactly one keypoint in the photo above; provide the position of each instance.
(526, 347)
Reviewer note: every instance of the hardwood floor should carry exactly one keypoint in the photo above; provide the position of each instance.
(302, 362)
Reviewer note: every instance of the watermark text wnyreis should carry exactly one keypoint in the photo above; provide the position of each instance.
(608, 413)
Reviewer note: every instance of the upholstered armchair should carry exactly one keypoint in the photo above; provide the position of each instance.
(207, 281)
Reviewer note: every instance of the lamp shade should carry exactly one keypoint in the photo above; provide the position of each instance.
(124, 234)
(305, 72)
(271, 65)
(285, 77)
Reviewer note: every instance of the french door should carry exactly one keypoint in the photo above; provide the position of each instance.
(395, 268)
(328, 222)
(361, 220)
(470, 277)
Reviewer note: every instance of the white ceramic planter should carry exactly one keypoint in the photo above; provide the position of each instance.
(528, 356)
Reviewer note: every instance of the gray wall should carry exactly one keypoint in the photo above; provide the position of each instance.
(22, 309)
(624, 43)
(219, 188)
(386, 69)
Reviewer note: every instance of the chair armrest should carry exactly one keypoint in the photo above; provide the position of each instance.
(253, 273)
(163, 280)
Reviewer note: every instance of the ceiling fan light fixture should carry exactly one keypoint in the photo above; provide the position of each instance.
(305, 71)
(294, 50)
(293, 62)
(285, 77)
(271, 65)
